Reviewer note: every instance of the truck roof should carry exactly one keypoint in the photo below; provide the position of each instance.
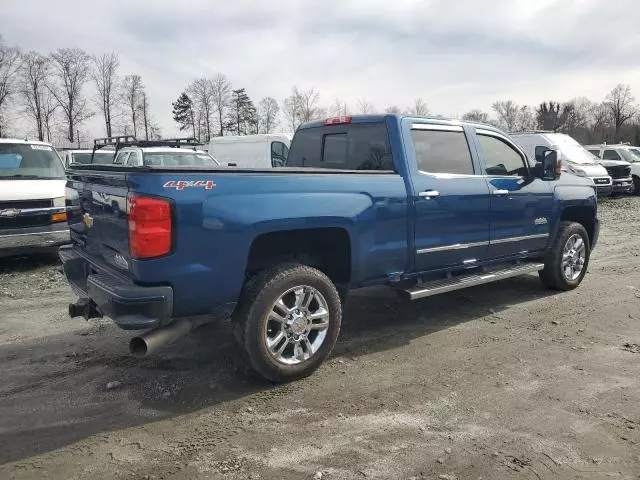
(373, 118)
(161, 149)
(259, 137)
(24, 141)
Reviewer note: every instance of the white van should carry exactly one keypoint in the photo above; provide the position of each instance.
(33, 215)
(251, 151)
(575, 158)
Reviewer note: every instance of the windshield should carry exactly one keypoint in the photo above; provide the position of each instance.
(176, 159)
(630, 155)
(99, 157)
(576, 153)
(22, 160)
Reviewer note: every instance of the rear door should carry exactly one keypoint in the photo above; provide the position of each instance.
(521, 204)
(451, 200)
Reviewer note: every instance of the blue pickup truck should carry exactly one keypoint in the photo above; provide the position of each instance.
(424, 206)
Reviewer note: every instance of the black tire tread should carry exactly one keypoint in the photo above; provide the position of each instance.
(253, 293)
(551, 275)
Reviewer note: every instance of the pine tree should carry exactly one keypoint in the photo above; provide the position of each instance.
(183, 113)
(243, 118)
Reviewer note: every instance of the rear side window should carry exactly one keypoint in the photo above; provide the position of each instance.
(442, 151)
(595, 151)
(121, 158)
(610, 155)
(363, 146)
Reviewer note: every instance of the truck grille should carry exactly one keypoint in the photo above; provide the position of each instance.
(620, 171)
(24, 221)
(601, 181)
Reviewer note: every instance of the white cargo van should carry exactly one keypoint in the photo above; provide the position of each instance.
(251, 151)
(575, 158)
(33, 215)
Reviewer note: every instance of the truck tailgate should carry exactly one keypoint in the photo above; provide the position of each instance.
(97, 204)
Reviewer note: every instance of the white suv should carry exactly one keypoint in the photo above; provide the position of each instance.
(623, 160)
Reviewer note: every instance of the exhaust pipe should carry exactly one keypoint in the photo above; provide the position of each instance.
(153, 340)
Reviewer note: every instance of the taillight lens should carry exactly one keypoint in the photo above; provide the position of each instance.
(149, 227)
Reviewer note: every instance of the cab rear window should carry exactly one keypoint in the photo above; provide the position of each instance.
(361, 146)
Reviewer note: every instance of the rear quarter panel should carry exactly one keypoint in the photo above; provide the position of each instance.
(215, 228)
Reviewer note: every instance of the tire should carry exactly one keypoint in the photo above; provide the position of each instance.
(554, 275)
(304, 344)
(636, 185)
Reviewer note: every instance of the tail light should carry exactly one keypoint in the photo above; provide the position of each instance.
(338, 120)
(150, 227)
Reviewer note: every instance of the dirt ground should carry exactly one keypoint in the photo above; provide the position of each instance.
(503, 381)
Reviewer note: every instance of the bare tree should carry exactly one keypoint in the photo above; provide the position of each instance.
(364, 107)
(393, 109)
(221, 95)
(268, 114)
(34, 70)
(525, 119)
(71, 68)
(49, 108)
(105, 77)
(507, 112)
(476, 116)
(308, 104)
(621, 104)
(132, 91)
(291, 111)
(9, 69)
(419, 108)
(201, 92)
(339, 108)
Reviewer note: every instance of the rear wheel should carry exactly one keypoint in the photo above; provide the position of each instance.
(566, 263)
(636, 185)
(288, 321)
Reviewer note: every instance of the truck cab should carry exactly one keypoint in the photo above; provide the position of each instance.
(622, 161)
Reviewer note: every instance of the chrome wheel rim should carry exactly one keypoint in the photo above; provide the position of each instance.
(297, 325)
(574, 255)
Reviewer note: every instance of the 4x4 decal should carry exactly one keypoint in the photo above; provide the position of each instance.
(182, 184)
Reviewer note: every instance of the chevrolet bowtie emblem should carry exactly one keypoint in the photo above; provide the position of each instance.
(87, 220)
(9, 213)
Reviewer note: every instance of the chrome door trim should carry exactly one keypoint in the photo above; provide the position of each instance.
(461, 246)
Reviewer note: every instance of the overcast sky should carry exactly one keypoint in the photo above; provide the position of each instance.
(456, 54)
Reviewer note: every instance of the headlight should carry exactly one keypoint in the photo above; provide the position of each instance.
(580, 173)
(59, 202)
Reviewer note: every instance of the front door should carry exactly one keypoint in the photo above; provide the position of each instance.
(521, 205)
(451, 201)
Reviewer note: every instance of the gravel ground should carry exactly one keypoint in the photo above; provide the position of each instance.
(497, 382)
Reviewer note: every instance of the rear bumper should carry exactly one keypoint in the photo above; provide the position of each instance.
(33, 239)
(130, 306)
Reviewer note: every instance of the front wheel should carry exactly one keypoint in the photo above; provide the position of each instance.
(566, 263)
(288, 321)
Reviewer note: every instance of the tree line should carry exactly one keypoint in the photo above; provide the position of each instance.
(53, 94)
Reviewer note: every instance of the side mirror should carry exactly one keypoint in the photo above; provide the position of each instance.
(540, 152)
(551, 166)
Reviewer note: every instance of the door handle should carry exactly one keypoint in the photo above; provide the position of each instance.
(429, 194)
(500, 192)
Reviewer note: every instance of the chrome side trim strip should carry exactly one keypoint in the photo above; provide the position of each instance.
(431, 126)
(517, 239)
(457, 246)
(461, 246)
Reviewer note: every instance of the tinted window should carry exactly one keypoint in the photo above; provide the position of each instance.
(611, 155)
(501, 158)
(20, 161)
(132, 161)
(98, 157)
(335, 150)
(278, 154)
(596, 151)
(363, 146)
(121, 158)
(439, 151)
(177, 158)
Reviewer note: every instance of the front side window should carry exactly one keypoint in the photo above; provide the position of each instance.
(278, 154)
(610, 155)
(629, 155)
(594, 151)
(29, 161)
(501, 158)
(441, 151)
